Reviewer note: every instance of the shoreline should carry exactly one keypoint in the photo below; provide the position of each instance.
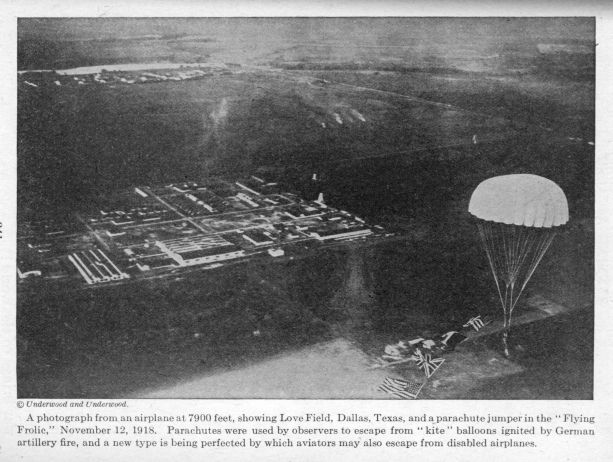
(128, 67)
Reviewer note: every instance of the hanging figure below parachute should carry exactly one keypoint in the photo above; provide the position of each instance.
(517, 218)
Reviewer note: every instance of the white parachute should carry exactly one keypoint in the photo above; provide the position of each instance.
(518, 216)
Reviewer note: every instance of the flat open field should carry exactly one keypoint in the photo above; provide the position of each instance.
(229, 125)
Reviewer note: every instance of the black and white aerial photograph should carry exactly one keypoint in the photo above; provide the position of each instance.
(372, 208)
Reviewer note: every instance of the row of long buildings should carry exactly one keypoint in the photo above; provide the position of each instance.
(96, 267)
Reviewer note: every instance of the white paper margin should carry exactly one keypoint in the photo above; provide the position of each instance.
(571, 449)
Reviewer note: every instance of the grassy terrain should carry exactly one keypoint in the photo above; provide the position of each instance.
(222, 125)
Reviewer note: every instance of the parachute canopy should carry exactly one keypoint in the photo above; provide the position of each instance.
(518, 219)
(521, 199)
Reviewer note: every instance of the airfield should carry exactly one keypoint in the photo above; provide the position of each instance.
(399, 126)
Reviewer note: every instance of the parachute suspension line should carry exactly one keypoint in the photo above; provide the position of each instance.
(501, 248)
(507, 241)
(487, 240)
(525, 251)
(508, 306)
(518, 249)
(507, 263)
(522, 246)
(493, 246)
(512, 266)
(506, 254)
(542, 248)
(511, 273)
(521, 256)
(513, 253)
(509, 255)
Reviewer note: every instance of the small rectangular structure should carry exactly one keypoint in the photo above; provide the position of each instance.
(27, 274)
(246, 188)
(247, 199)
(302, 211)
(155, 262)
(257, 237)
(187, 186)
(140, 192)
(341, 234)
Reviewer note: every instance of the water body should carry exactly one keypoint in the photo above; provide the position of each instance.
(126, 67)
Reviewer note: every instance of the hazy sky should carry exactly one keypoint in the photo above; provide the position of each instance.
(363, 29)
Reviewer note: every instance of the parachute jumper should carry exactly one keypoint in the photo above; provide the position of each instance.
(517, 218)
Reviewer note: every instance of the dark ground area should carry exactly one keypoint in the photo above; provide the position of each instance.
(76, 145)
(558, 357)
